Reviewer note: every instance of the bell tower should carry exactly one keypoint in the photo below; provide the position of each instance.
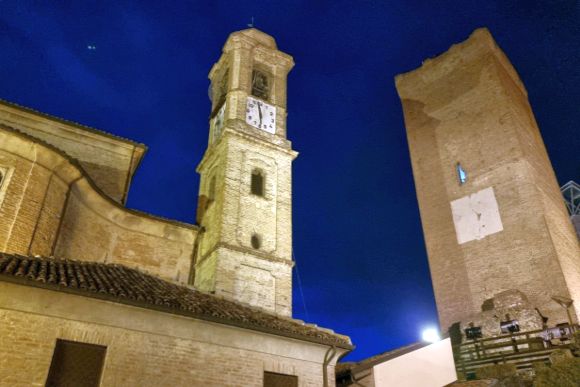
(244, 251)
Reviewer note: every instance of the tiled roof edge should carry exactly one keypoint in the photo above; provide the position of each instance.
(93, 185)
(71, 123)
(22, 280)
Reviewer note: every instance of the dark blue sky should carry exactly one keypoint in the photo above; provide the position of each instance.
(357, 233)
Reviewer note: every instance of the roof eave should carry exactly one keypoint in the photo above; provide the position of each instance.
(160, 308)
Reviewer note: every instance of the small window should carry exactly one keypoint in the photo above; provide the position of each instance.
(272, 379)
(461, 174)
(257, 185)
(76, 364)
(256, 241)
(5, 173)
(260, 85)
(220, 89)
(211, 190)
(224, 84)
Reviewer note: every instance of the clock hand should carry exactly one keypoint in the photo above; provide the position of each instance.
(260, 113)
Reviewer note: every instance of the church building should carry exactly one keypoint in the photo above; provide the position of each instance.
(95, 294)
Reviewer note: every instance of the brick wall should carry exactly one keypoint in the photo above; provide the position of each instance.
(34, 193)
(137, 358)
(144, 348)
(253, 280)
(49, 207)
(269, 216)
(469, 106)
(227, 263)
(110, 161)
(94, 229)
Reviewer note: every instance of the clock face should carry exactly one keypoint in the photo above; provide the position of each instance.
(218, 122)
(261, 115)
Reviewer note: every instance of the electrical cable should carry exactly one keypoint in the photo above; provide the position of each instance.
(300, 286)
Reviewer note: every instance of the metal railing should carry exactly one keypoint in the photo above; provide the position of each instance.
(522, 349)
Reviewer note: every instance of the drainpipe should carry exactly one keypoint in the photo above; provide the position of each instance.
(328, 356)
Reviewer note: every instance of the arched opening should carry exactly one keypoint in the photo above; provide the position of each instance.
(260, 85)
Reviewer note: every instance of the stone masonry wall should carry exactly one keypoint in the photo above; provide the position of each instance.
(269, 216)
(240, 275)
(255, 281)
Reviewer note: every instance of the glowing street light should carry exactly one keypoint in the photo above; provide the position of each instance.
(430, 335)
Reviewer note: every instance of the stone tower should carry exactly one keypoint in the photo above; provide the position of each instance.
(492, 213)
(245, 250)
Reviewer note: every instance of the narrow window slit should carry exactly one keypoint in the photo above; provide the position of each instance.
(461, 174)
(211, 191)
(257, 184)
(256, 241)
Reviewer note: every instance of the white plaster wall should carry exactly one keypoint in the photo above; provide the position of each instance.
(430, 366)
(476, 216)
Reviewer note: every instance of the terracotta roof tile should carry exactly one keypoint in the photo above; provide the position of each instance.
(129, 286)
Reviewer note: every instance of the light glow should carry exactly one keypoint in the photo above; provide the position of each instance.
(430, 335)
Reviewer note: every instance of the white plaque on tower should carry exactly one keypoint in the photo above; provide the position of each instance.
(476, 216)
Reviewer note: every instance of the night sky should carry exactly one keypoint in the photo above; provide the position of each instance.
(139, 70)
